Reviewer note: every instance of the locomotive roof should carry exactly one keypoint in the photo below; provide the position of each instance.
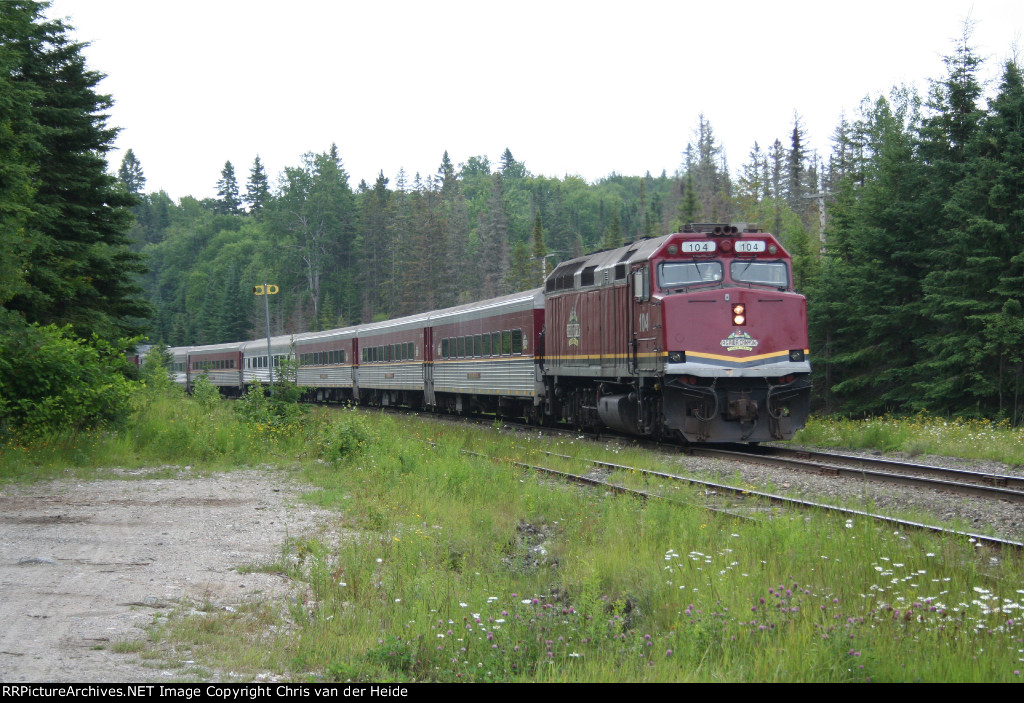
(601, 261)
(608, 260)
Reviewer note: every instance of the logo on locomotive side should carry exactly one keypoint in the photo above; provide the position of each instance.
(739, 341)
(572, 329)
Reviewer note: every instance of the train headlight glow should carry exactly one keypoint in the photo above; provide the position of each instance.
(739, 314)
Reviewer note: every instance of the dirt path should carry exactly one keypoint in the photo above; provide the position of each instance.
(84, 565)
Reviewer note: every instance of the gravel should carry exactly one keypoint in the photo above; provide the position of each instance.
(85, 565)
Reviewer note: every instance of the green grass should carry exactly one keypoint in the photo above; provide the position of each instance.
(448, 567)
(168, 432)
(458, 569)
(920, 434)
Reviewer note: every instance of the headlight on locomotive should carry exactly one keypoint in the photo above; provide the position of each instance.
(739, 314)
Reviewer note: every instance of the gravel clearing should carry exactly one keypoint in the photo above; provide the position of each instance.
(85, 565)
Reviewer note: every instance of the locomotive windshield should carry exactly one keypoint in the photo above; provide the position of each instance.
(768, 273)
(687, 273)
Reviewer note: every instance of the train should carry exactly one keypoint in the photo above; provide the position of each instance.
(697, 335)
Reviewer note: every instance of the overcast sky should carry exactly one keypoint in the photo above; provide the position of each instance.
(583, 88)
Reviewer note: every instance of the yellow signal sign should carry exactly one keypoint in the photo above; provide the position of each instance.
(269, 289)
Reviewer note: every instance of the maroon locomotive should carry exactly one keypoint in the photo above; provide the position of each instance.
(696, 334)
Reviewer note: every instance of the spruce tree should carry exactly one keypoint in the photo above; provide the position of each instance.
(612, 237)
(130, 173)
(976, 288)
(510, 168)
(20, 136)
(871, 310)
(796, 167)
(377, 251)
(71, 232)
(257, 190)
(968, 248)
(776, 159)
(446, 178)
(229, 202)
(494, 244)
(751, 185)
(538, 253)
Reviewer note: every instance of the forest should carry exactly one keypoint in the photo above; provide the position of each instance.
(906, 238)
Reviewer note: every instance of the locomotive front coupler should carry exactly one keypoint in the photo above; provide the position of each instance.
(740, 406)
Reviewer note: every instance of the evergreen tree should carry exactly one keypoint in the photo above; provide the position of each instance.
(65, 217)
(705, 163)
(538, 254)
(446, 179)
(796, 167)
(613, 232)
(377, 251)
(968, 249)
(20, 136)
(229, 202)
(869, 315)
(644, 218)
(972, 294)
(461, 280)
(510, 168)
(1004, 331)
(130, 173)
(494, 245)
(688, 203)
(751, 184)
(776, 158)
(257, 189)
(520, 275)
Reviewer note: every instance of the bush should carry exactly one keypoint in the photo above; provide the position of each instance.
(205, 393)
(53, 380)
(345, 435)
(156, 370)
(278, 409)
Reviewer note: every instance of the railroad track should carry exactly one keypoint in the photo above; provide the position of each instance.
(742, 493)
(962, 481)
(1004, 487)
